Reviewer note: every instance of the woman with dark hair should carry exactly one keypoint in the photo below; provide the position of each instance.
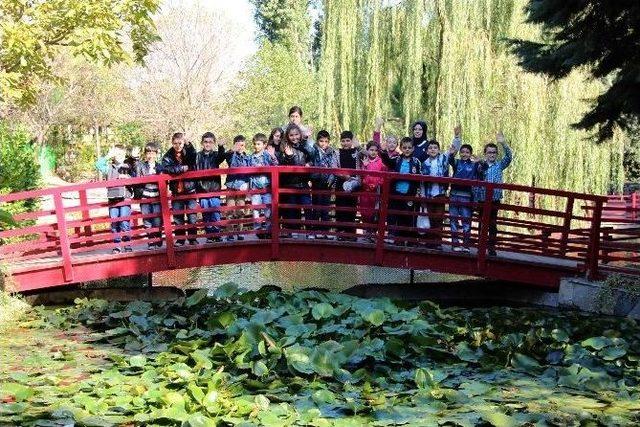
(418, 132)
(295, 118)
(274, 139)
(291, 154)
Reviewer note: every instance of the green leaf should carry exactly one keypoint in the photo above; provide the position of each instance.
(524, 363)
(499, 419)
(6, 218)
(196, 298)
(259, 369)
(200, 420)
(597, 343)
(201, 357)
(612, 353)
(18, 391)
(322, 310)
(560, 335)
(375, 317)
(138, 361)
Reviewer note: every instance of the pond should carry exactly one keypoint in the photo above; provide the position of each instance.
(267, 357)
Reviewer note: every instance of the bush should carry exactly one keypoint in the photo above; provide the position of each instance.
(20, 170)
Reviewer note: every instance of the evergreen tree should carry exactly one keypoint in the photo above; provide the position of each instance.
(600, 35)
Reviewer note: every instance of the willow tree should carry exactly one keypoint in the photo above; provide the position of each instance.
(447, 61)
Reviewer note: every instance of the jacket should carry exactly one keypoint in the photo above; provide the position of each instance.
(113, 173)
(143, 168)
(370, 183)
(169, 164)
(238, 160)
(463, 169)
(493, 173)
(441, 162)
(395, 164)
(257, 160)
(297, 158)
(206, 161)
(323, 159)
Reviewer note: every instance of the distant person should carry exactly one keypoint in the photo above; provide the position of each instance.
(292, 154)
(118, 168)
(322, 155)
(460, 196)
(207, 159)
(405, 163)
(238, 185)
(181, 158)
(147, 166)
(369, 200)
(261, 158)
(492, 170)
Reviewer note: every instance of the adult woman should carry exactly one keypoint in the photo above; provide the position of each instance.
(418, 132)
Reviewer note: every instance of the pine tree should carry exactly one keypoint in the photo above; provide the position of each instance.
(599, 35)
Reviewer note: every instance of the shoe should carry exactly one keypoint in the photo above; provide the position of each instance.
(240, 237)
(492, 252)
(466, 250)
(128, 249)
(115, 251)
(330, 237)
(179, 243)
(151, 246)
(311, 236)
(231, 238)
(193, 242)
(210, 240)
(458, 249)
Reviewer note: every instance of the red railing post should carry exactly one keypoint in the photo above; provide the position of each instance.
(593, 251)
(635, 204)
(382, 219)
(63, 237)
(166, 220)
(566, 226)
(483, 238)
(84, 202)
(275, 213)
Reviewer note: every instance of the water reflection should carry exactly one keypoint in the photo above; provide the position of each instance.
(292, 276)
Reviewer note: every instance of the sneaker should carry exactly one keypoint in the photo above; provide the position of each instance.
(210, 240)
(311, 236)
(128, 249)
(193, 242)
(115, 251)
(151, 246)
(240, 237)
(466, 250)
(458, 249)
(179, 243)
(330, 237)
(231, 238)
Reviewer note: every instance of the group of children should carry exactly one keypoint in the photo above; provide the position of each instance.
(292, 145)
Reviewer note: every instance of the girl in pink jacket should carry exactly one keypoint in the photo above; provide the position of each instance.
(371, 185)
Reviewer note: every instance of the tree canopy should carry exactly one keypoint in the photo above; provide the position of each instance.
(599, 35)
(32, 33)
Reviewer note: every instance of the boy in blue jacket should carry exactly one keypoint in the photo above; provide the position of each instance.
(460, 196)
(210, 158)
(261, 158)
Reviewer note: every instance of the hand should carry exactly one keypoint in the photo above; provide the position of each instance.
(500, 138)
(288, 150)
(185, 168)
(308, 132)
(221, 143)
(452, 149)
(135, 152)
(271, 150)
(474, 158)
(457, 131)
(378, 123)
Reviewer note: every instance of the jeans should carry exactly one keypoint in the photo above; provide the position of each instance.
(262, 199)
(120, 226)
(213, 216)
(295, 213)
(154, 222)
(460, 213)
(178, 219)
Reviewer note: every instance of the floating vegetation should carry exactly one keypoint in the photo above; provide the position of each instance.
(317, 358)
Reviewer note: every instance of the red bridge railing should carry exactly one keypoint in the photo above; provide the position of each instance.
(71, 224)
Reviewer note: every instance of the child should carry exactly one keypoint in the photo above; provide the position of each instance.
(181, 158)
(371, 186)
(237, 158)
(391, 141)
(349, 157)
(292, 154)
(119, 169)
(406, 163)
(491, 170)
(261, 157)
(274, 140)
(148, 167)
(208, 159)
(460, 197)
(322, 155)
(437, 164)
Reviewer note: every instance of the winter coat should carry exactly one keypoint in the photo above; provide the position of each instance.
(113, 173)
(170, 164)
(207, 160)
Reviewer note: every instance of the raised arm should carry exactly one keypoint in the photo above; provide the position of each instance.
(508, 153)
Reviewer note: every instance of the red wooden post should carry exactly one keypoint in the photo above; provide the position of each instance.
(275, 214)
(166, 221)
(566, 226)
(382, 219)
(593, 252)
(85, 215)
(635, 204)
(484, 229)
(63, 238)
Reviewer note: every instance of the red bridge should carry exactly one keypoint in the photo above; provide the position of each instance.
(67, 238)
